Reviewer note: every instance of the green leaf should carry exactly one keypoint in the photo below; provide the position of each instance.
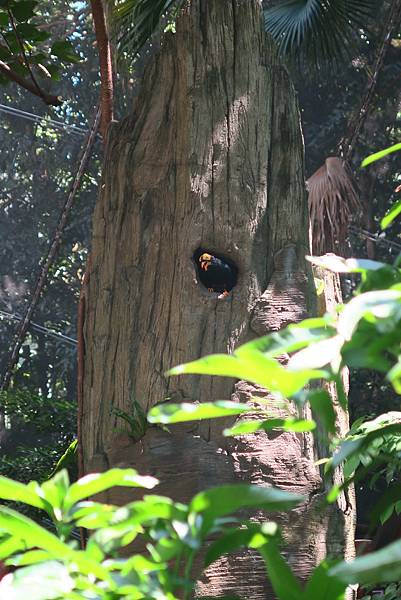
(155, 507)
(292, 338)
(323, 586)
(319, 355)
(380, 512)
(253, 536)
(24, 9)
(64, 50)
(290, 424)
(187, 411)
(392, 214)
(377, 567)
(381, 154)
(3, 19)
(92, 515)
(46, 581)
(31, 533)
(284, 583)
(138, 20)
(66, 459)
(322, 407)
(99, 482)
(18, 492)
(54, 491)
(379, 305)
(31, 33)
(317, 31)
(10, 545)
(253, 366)
(337, 264)
(220, 501)
(394, 376)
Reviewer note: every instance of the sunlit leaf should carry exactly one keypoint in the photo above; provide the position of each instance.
(28, 494)
(252, 366)
(290, 424)
(381, 154)
(187, 411)
(377, 567)
(322, 585)
(253, 535)
(47, 581)
(283, 580)
(337, 264)
(99, 482)
(220, 501)
(392, 214)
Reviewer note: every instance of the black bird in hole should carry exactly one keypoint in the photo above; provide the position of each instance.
(216, 274)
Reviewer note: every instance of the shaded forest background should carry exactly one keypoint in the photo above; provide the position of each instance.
(37, 165)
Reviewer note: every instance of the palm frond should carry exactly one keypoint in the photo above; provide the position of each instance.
(319, 29)
(333, 199)
(135, 21)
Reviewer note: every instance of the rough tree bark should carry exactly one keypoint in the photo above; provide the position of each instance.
(211, 157)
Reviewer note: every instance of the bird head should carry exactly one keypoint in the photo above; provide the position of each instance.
(205, 259)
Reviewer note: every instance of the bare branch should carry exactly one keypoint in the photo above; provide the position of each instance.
(49, 99)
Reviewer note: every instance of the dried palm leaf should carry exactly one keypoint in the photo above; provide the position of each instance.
(333, 199)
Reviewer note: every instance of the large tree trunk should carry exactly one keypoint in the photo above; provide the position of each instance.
(211, 157)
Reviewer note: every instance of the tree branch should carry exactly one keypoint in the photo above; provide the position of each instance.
(105, 64)
(23, 53)
(49, 99)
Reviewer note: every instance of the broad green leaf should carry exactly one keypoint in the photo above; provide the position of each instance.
(380, 512)
(224, 500)
(347, 449)
(154, 507)
(64, 50)
(337, 264)
(10, 545)
(31, 533)
(188, 411)
(393, 213)
(381, 305)
(28, 494)
(252, 366)
(377, 567)
(253, 535)
(55, 490)
(290, 424)
(323, 586)
(111, 539)
(292, 338)
(30, 557)
(24, 9)
(3, 19)
(394, 376)
(92, 515)
(46, 581)
(66, 459)
(284, 583)
(31, 33)
(322, 407)
(99, 482)
(318, 355)
(381, 154)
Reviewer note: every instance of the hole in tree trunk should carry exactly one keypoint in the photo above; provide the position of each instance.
(217, 273)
